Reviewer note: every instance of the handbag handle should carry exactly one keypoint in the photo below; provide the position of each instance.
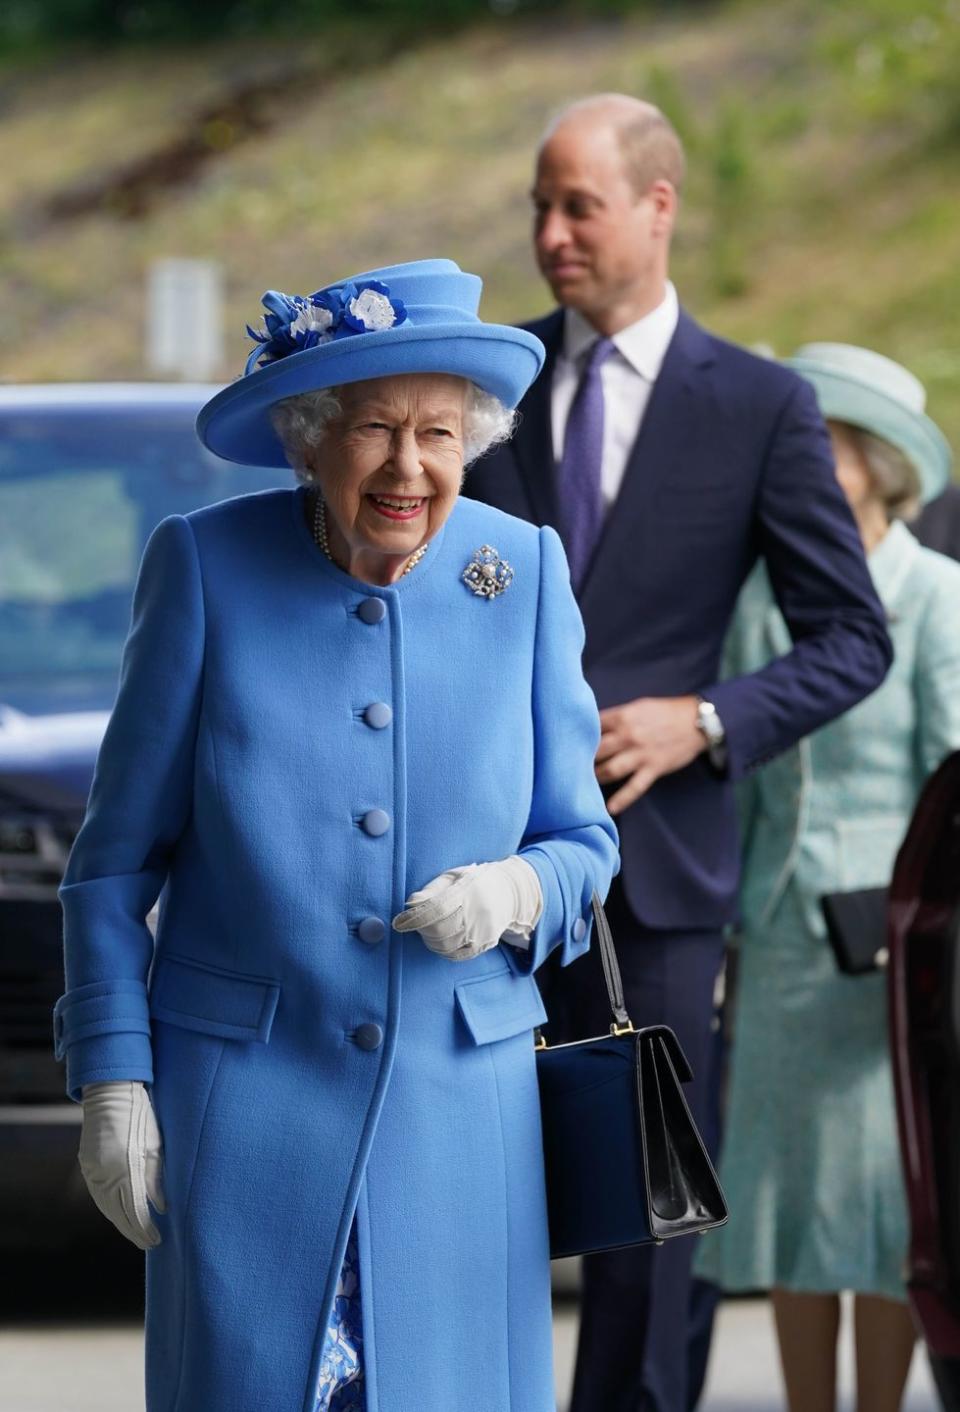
(622, 1023)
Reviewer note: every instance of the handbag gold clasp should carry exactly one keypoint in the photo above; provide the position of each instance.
(540, 1041)
(618, 1030)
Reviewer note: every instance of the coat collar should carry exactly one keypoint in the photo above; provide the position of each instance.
(890, 564)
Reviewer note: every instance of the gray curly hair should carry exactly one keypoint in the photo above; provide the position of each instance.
(301, 424)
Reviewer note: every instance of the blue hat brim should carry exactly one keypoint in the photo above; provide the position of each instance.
(236, 424)
(842, 397)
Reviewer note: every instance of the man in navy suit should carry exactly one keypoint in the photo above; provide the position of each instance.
(669, 461)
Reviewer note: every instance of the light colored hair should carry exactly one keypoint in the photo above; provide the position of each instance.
(652, 151)
(301, 423)
(895, 478)
(649, 143)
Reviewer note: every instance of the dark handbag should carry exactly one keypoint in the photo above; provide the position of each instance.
(857, 929)
(624, 1162)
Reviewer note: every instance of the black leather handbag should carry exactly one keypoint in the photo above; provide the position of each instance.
(857, 929)
(625, 1164)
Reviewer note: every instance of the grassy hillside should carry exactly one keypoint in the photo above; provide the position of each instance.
(823, 202)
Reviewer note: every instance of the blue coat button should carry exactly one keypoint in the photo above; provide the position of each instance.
(375, 822)
(378, 714)
(368, 1036)
(372, 610)
(579, 929)
(371, 930)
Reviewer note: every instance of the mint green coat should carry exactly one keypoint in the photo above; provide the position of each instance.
(810, 1163)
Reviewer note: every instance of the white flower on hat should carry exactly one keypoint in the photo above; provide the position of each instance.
(373, 310)
(313, 318)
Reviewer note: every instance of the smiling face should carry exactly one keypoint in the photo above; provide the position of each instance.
(390, 468)
(602, 246)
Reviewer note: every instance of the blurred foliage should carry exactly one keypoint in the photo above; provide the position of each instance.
(821, 200)
(902, 61)
(731, 168)
(29, 23)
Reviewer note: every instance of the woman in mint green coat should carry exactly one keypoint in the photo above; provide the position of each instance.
(811, 1167)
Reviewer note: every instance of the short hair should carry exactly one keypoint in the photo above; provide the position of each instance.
(649, 143)
(895, 478)
(652, 151)
(301, 424)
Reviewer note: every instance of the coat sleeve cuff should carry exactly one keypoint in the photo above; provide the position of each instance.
(727, 698)
(103, 1032)
(563, 925)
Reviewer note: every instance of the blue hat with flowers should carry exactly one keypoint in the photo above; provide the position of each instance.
(415, 318)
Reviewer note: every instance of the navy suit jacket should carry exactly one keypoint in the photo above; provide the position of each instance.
(938, 524)
(732, 463)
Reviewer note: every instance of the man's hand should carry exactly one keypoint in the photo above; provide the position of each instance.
(644, 739)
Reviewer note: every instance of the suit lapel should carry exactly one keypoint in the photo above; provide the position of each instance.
(666, 437)
(533, 440)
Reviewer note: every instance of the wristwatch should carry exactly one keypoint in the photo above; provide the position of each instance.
(711, 727)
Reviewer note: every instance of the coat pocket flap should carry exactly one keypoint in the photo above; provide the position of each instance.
(500, 1005)
(196, 996)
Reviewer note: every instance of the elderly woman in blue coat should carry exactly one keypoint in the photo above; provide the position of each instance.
(352, 754)
(811, 1166)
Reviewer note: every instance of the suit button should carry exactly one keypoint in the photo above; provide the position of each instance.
(372, 610)
(368, 1036)
(579, 929)
(375, 822)
(378, 714)
(371, 930)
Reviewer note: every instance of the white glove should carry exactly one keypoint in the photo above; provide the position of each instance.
(467, 910)
(120, 1157)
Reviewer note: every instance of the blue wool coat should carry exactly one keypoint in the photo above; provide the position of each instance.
(309, 1064)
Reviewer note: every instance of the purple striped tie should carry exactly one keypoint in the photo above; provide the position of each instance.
(578, 475)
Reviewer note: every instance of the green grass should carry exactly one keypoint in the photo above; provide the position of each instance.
(822, 201)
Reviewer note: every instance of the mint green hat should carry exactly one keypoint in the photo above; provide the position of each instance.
(874, 393)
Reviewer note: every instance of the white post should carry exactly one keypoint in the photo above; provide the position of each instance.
(185, 319)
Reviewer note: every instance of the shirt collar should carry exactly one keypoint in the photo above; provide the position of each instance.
(643, 344)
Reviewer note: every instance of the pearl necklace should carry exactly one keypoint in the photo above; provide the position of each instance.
(321, 539)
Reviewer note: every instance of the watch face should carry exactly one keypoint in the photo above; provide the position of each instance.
(709, 722)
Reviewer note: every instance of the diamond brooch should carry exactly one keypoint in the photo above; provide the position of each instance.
(487, 575)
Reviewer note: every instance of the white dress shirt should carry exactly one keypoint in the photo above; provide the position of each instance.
(627, 375)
